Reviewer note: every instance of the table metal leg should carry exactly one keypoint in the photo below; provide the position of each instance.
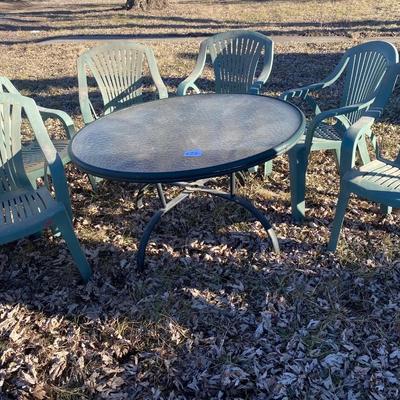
(241, 177)
(151, 225)
(197, 187)
(140, 194)
(141, 191)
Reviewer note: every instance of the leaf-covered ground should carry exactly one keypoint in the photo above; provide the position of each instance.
(216, 315)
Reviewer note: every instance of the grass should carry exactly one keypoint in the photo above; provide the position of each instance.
(214, 315)
(349, 18)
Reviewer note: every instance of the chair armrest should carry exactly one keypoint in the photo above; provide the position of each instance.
(88, 112)
(350, 140)
(161, 88)
(262, 78)
(7, 84)
(339, 114)
(155, 74)
(342, 111)
(189, 82)
(256, 87)
(373, 112)
(62, 116)
(87, 109)
(302, 92)
(50, 153)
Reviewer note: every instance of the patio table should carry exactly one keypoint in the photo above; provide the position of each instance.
(187, 141)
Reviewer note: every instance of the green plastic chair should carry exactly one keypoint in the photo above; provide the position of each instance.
(118, 71)
(362, 68)
(119, 74)
(236, 57)
(26, 210)
(377, 180)
(32, 155)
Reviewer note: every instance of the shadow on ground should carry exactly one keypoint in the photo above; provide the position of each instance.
(170, 27)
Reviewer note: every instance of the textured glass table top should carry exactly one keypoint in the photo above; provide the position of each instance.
(187, 138)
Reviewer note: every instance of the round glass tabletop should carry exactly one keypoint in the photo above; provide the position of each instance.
(187, 138)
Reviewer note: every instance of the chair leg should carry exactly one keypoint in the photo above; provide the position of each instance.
(337, 157)
(93, 182)
(46, 180)
(363, 151)
(343, 200)
(140, 194)
(253, 170)
(386, 210)
(267, 168)
(298, 167)
(33, 182)
(36, 235)
(64, 224)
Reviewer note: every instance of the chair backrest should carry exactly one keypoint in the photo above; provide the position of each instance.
(364, 67)
(236, 56)
(384, 93)
(12, 172)
(385, 90)
(118, 71)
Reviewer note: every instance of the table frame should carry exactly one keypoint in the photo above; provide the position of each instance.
(194, 181)
(188, 189)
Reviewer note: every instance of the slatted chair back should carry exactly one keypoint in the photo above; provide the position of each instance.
(364, 67)
(385, 90)
(12, 172)
(118, 71)
(236, 56)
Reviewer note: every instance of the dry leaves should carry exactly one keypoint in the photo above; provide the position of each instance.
(215, 315)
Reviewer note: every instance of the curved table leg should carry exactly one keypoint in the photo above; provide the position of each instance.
(241, 177)
(261, 217)
(248, 205)
(187, 191)
(155, 219)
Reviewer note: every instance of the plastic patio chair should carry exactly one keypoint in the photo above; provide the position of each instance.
(236, 58)
(377, 180)
(26, 210)
(32, 155)
(118, 71)
(362, 68)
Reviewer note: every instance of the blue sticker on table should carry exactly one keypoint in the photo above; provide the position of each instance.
(193, 153)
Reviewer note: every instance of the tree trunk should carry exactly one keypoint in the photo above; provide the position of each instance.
(145, 4)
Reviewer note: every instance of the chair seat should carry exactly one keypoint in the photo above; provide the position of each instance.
(327, 132)
(26, 211)
(322, 135)
(378, 181)
(34, 159)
